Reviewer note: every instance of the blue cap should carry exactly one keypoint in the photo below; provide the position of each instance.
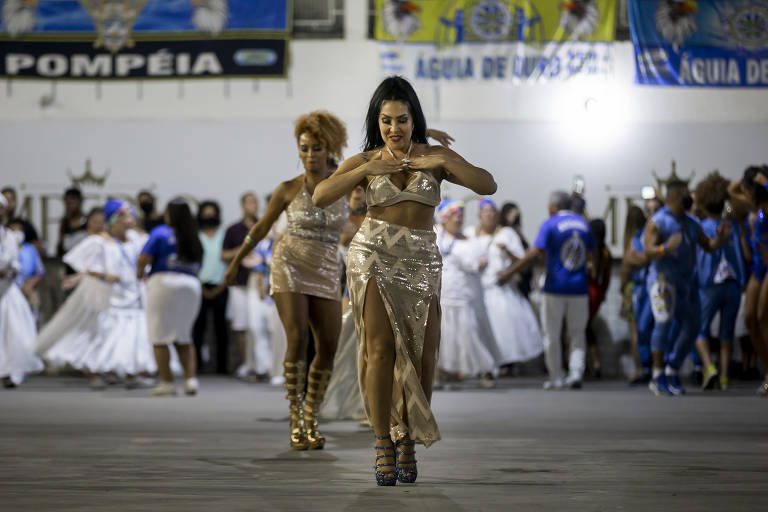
(486, 202)
(113, 207)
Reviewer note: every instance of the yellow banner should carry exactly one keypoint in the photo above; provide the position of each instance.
(451, 22)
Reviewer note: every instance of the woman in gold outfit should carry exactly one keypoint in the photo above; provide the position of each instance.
(305, 277)
(394, 267)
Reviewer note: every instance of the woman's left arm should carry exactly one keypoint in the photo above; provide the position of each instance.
(456, 169)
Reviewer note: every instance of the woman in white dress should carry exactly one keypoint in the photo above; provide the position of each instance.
(467, 344)
(514, 323)
(101, 328)
(174, 293)
(17, 324)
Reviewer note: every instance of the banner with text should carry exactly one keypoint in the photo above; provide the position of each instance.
(711, 43)
(512, 41)
(106, 39)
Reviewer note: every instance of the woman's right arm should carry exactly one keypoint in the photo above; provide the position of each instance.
(258, 231)
(350, 174)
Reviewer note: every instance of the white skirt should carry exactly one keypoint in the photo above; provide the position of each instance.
(514, 324)
(17, 336)
(173, 302)
(69, 338)
(467, 344)
(123, 347)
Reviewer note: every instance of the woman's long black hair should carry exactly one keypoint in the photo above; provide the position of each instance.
(394, 88)
(189, 248)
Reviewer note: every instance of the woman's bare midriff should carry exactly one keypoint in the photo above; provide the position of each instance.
(408, 213)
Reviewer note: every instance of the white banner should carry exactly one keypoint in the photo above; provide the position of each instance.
(513, 63)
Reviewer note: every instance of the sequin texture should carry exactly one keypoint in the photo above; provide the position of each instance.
(305, 260)
(407, 266)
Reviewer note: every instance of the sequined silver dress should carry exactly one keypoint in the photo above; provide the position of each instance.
(305, 260)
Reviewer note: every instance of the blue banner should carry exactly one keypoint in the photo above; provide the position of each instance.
(143, 38)
(707, 43)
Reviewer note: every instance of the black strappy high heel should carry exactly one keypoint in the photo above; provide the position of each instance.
(406, 471)
(388, 477)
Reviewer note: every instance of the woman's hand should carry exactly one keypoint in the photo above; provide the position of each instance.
(440, 136)
(427, 163)
(378, 167)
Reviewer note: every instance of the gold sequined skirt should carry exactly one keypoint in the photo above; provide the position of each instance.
(407, 266)
(302, 265)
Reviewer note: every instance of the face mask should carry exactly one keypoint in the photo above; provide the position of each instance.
(210, 222)
(147, 206)
(687, 202)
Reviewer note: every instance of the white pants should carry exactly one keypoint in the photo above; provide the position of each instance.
(575, 310)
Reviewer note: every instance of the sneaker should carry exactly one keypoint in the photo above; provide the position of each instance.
(724, 383)
(658, 386)
(487, 381)
(163, 389)
(277, 381)
(674, 386)
(762, 391)
(573, 383)
(190, 386)
(8, 383)
(709, 377)
(97, 383)
(139, 383)
(553, 385)
(242, 372)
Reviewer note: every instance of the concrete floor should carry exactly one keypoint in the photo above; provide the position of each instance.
(607, 447)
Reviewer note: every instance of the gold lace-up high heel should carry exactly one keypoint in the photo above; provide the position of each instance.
(317, 385)
(294, 384)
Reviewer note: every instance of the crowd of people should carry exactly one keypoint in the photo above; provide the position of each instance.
(360, 288)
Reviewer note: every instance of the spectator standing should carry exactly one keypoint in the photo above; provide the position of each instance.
(566, 241)
(215, 291)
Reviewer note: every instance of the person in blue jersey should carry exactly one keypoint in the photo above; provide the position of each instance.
(670, 239)
(174, 254)
(751, 192)
(636, 305)
(565, 239)
(720, 277)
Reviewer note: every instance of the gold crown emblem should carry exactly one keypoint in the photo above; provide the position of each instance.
(114, 21)
(662, 182)
(88, 177)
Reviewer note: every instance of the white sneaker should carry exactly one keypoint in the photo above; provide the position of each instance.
(242, 372)
(277, 380)
(190, 386)
(553, 385)
(163, 389)
(139, 382)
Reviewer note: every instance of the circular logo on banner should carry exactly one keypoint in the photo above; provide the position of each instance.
(749, 26)
(490, 20)
(573, 253)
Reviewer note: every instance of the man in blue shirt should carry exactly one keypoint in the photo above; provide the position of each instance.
(670, 241)
(566, 241)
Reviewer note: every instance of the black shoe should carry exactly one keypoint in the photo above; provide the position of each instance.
(8, 383)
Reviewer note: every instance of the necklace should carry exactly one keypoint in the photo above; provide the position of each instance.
(405, 160)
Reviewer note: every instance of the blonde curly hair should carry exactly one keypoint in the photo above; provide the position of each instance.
(325, 127)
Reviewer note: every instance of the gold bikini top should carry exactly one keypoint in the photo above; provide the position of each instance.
(422, 188)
